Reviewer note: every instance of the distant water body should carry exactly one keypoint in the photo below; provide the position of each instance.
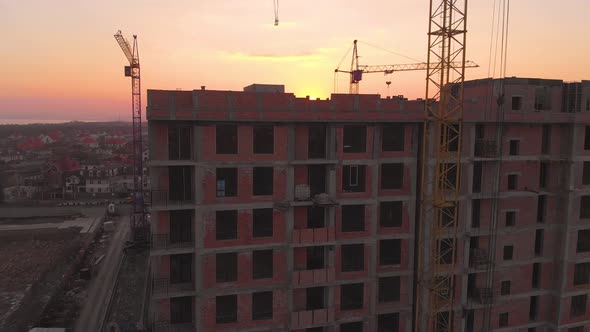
(46, 121)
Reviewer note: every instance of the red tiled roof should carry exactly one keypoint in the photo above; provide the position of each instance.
(30, 143)
(66, 164)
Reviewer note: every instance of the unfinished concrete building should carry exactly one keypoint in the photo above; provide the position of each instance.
(276, 213)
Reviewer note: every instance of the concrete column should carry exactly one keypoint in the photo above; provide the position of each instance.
(331, 142)
(197, 142)
(289, 220)
(198, 261)
(569, 221)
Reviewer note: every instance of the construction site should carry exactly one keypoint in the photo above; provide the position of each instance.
(465, 210)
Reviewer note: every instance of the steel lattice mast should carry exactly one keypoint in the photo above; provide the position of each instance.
(139, 225)
(441, 153)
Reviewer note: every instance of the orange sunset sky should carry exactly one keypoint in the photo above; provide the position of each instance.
(60, 62)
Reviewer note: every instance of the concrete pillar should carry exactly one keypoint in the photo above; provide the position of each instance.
(199, 235)
(290, 219)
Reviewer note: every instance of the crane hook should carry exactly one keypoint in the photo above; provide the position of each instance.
(276, 7)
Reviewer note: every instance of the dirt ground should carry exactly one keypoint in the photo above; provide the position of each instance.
(31, 266)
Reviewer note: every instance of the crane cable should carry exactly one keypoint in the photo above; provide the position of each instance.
(392, 52)
(276, 8)
(338, 67)
(504, 8)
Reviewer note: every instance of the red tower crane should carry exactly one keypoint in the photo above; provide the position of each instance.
(139, 223)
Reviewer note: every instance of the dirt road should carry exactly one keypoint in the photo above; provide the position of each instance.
(101, 287)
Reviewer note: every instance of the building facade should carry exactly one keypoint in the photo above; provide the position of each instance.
(276, 213)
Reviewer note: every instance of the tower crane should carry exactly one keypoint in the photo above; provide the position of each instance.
(139, 222)
(441, 166)
(357, 70)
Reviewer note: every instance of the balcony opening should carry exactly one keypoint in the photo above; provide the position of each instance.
(226, 267)
(516, 103)
(539, 237)
(475, 213)
(470, 320)
(262, 305)
(352, 257)
(393, 137)
(514, 147)
(503, 319)
(351, 296)
(542, 98)
(543, 172)
(262, 223)
(533, 305)
(581, 274)
(512, 181)
(315, 298)
(316, 217)
(316, 142)
(180, 183)
(510, 218)
(508, 253)
(391, 214)
(226, 309)
(351, 327)
(390, 252)
(179, 143)
(315, 258)
(388, 322)
(262, 181)
(181, 268)
(227, 182)
(471, 285)
(477, 175)
(353, 178)
(584, 207)
(226, 139)
(181, 310)
(181, 226)
(545, 139)
(355, 138)
(262, 264)
(576, 329)
(586, 173)
(448, 251)
(505, 287)
(263, 139)
(316, 179)
(474, 242)
(583, 244)
(226, 225)
(392, 176)
(587, 138)
(541, 208)
(353, 218)
(389, 289)
(578, 306)
(479, 131)
(536, 275)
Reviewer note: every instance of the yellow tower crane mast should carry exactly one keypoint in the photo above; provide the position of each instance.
(441, 156)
